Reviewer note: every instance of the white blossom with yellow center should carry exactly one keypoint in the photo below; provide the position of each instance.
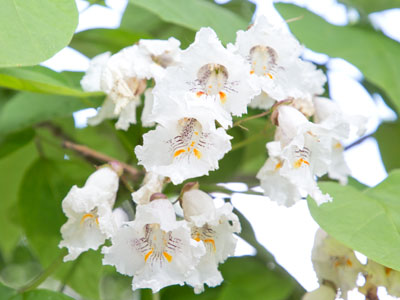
(211, 73)
(155, 249)
(89, 211)
(215, 227)
(273, 55)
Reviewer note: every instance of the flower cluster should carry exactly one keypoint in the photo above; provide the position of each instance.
(155, 248)
(338, 269)
(190, 97)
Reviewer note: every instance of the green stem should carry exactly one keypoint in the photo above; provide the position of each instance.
(43, 275)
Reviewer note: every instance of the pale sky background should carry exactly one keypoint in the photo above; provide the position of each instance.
(288, 233)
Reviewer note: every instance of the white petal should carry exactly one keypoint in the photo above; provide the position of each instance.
(91, 81)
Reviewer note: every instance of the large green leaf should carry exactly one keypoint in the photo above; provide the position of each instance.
(14, 141)
(26, 109)
(367, 221)
(40, 295)
(388, 137)
(370, 6)
(95, 41)
(12, 169)
(377, 56)
(39, 79)
(33, 31)
(194, 14)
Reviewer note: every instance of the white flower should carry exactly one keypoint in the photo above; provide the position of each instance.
(89, 211)
(215, 227)
(302, 151)
(161, 54)
(322, 293)
(273, 54)
(155, 249)
(123, 78)
(335, 262)
(152, 183)
(183, 149)
(211, 73)
(380, 275)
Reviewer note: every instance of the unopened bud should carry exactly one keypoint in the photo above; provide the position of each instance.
(158, 196)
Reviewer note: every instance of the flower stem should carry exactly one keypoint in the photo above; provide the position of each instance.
(38, 280)
(238, 123)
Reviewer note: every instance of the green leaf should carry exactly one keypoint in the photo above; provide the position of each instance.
(39, 79)
(10, 143)
(12, 169)
(26, 109)
(370, 6)
(41, 295)
(244, 8)
(32, 32)
(137, 19)
(6, 293)
(367, 221)
(194, 14)
(377, 56)
(95, 41)
(387, 136)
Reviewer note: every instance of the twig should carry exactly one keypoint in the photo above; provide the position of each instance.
(251, 118)
(86, 151)
(294, 19)
(38, 280)
(359, 141)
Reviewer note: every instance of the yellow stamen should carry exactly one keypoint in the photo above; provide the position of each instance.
(252, 72)
(196, 133)
(349, 263)
(146, 257)
(167, 256)
(199, 94)
(179, 152)
(212, 242)
(97, 221)
(88, 216)
(197, 153)
(270, 76)
(388, 271)
(192, 144)
(338, 145)
(278, 166)
(299, 162)
(222, 97)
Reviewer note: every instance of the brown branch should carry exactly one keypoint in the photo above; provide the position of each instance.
(87, 152)
(251, 118)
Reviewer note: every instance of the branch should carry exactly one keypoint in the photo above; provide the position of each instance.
(88, 152)
(359, 141)
(251, 118)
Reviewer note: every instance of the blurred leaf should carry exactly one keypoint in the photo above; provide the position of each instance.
(367, 221)
(39, 79)
(6, 293)
(194, 14)
(244, 278)
(98, 2)
(137, 19)
(244, 8)
(95, 41)
(377, 56)
(356, 184)
(12, 169)
(26, 109)
(116, 286)
(370, 6)
(14, 141)
(32, 33)
(388, 137)
(41, 295)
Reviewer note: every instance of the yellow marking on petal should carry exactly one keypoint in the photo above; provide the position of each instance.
(192, 144)
(388, 271)
(252, 72)
(188, 149)
(278, 166)
(197, 239)
(212, 242)
(196, 133)
(197, 153)
(146, 257)
(337, 264)
(349, 263)
(270, 76)
(264, 68)
(167, 256)
(97, 221)
(210, 86)
(87, 216)
(299, 162)
(179, 152)
(338, 145)
(199, 94)
(222, 97)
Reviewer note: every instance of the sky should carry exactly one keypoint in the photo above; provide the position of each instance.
(288, 233)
